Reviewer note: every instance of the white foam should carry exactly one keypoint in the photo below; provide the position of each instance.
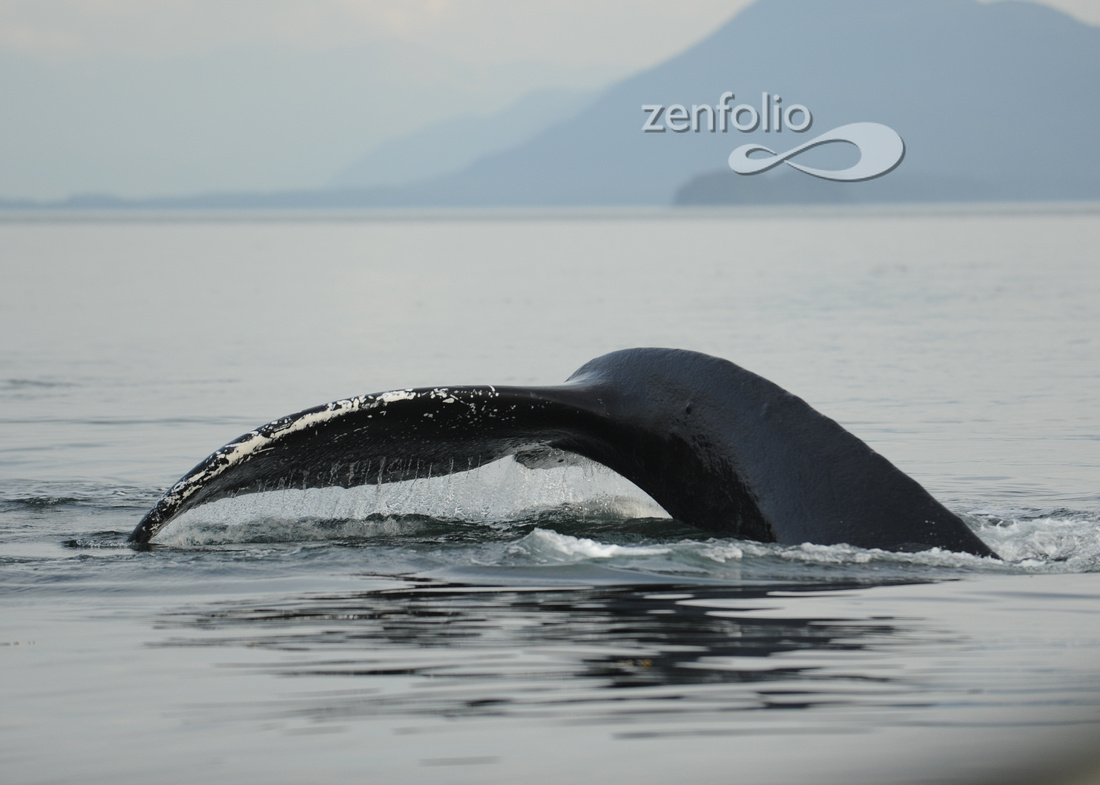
(563, 547)
(1068, 542)
(722, 551)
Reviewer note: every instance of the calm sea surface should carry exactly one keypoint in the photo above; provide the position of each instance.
(543, 626)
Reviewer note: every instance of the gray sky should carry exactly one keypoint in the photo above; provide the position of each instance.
(621, 33)
(588, 32)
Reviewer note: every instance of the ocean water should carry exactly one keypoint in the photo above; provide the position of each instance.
(543, 626)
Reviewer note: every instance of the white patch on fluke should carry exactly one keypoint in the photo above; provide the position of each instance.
(256, 441)
(396, 395)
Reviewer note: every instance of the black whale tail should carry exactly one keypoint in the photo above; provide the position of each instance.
(715, 445)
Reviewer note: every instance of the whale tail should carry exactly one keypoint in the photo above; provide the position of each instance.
(715, 445)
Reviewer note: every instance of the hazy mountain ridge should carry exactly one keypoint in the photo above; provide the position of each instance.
(994, 101)
(453, 144)
(253, 117)
(960, 80)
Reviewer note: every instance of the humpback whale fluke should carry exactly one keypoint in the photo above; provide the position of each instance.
(715, 445)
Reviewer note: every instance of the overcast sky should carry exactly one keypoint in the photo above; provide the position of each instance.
(621, 33)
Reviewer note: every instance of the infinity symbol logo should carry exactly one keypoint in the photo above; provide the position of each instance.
(880, 151)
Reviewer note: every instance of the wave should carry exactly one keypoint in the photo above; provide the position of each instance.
(1065, 540)
(505, 518)
(574, 536)
(45, 496)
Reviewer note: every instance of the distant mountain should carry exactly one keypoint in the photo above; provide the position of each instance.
(994, 101)
(254, 118)
(453, 144)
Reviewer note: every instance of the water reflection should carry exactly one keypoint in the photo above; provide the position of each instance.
(608, 654)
